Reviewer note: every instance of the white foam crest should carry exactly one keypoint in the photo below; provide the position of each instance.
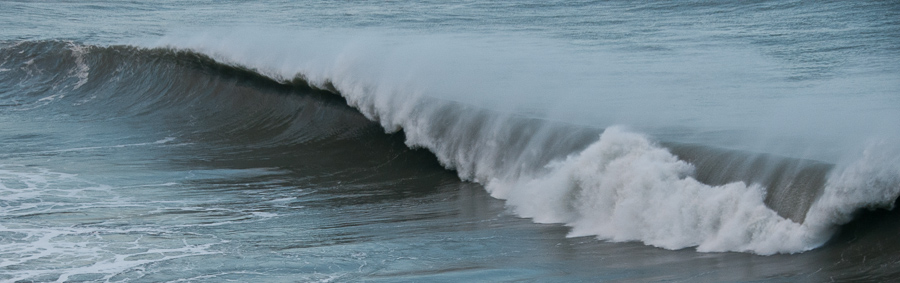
(624, 188)
(871, 180)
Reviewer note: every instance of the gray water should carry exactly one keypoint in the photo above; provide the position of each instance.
(338, 141)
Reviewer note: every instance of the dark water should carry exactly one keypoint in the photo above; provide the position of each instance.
(463, 141)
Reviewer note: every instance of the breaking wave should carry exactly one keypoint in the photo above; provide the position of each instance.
(606, 181)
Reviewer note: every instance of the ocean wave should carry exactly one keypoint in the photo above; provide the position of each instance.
(622, 186)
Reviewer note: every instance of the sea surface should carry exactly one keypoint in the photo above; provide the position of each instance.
(449, 141)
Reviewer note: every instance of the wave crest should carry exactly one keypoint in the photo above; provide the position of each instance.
(625, 188)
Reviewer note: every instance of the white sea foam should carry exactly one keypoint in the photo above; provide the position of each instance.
(870, 180)
(624, 188)
(54, 229)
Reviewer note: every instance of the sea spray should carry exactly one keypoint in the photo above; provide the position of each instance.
(871, 180)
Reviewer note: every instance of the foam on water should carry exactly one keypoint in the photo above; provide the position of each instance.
(57, 227)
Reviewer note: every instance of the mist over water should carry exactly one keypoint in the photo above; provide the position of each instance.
(303, 140)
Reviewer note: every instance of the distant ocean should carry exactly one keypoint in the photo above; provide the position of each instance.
(449, 141)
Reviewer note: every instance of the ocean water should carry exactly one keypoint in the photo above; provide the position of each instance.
(549, 141)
